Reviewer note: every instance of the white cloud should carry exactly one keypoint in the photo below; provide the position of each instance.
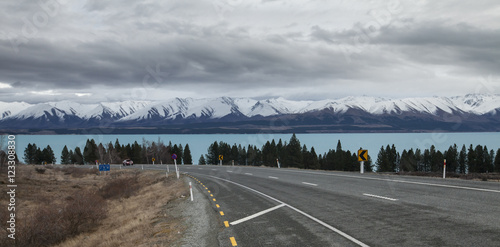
(83, 94)
(4, 85)
(46, 92)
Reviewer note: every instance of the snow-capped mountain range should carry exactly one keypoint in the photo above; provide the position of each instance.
(343, 113)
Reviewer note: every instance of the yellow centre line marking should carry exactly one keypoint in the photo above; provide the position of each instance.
(233, 241)
(221, 213)
(209, 191)
(211, 195)
(226, 223)
(214, 199)
(217, 205)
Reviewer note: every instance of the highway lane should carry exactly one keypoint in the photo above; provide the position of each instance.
(375, 210)
(274, 228)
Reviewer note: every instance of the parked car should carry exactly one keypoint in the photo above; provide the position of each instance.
(128, 162)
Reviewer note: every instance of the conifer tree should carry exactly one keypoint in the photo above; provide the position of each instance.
(242, 155)
(90, 152)
(30, 153)
(462, 160)
(65, 157)
(188, 159)
(383, 160)
(497, 161)
(48, 155)
(213, 154)
(451, 157)
(315, 164)
(202, 160)
(38, 156)
(72, 157)
(294, 153)
(78, 156)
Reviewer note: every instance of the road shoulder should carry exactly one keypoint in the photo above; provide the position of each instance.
(200, 220)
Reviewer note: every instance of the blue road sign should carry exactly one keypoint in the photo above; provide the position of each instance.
(104, 168)
(174, 156)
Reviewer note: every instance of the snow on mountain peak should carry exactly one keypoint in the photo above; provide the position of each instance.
(216, 108)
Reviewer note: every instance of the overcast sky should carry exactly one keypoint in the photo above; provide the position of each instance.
(99, 50)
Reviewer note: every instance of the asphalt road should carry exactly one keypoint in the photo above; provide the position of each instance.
(289, 207)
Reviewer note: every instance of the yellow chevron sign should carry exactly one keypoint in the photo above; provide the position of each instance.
(362, 155)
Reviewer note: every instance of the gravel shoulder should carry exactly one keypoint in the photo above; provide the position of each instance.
(202, 225)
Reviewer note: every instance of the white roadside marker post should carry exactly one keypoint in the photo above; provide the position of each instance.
(176, 169)
(444, 169)
(191, 190)
(142, 167)
(362, 167)
(278, 162)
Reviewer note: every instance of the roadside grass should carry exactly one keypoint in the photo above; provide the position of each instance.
(71, 206)
(141, 219)
(494, 177)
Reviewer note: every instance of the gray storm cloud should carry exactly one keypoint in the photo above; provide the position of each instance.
(247, 48)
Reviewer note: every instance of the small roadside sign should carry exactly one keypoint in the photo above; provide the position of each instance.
(362, 155)
(153, 159)
(174, 156)
(221, 157)
(104, 168)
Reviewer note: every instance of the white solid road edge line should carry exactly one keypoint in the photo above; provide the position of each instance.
(250, 174)
(345, 235)
(380, 197)
(256, 215)
(309, 184)
(273, 177)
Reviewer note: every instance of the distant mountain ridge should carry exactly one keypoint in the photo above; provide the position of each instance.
(473, 112)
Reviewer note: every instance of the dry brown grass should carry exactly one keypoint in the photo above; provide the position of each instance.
(494, 177)
(138, 217)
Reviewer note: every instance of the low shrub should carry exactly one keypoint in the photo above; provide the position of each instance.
(40, 170)
(77, 172)
(51, 224)
(120, 187)
(83, 211)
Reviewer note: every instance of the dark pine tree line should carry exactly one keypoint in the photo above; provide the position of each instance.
(477, 159)
(35, 155)
(111, 153)
(288, 154)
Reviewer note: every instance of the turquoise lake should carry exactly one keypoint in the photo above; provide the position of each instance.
(199, 143)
